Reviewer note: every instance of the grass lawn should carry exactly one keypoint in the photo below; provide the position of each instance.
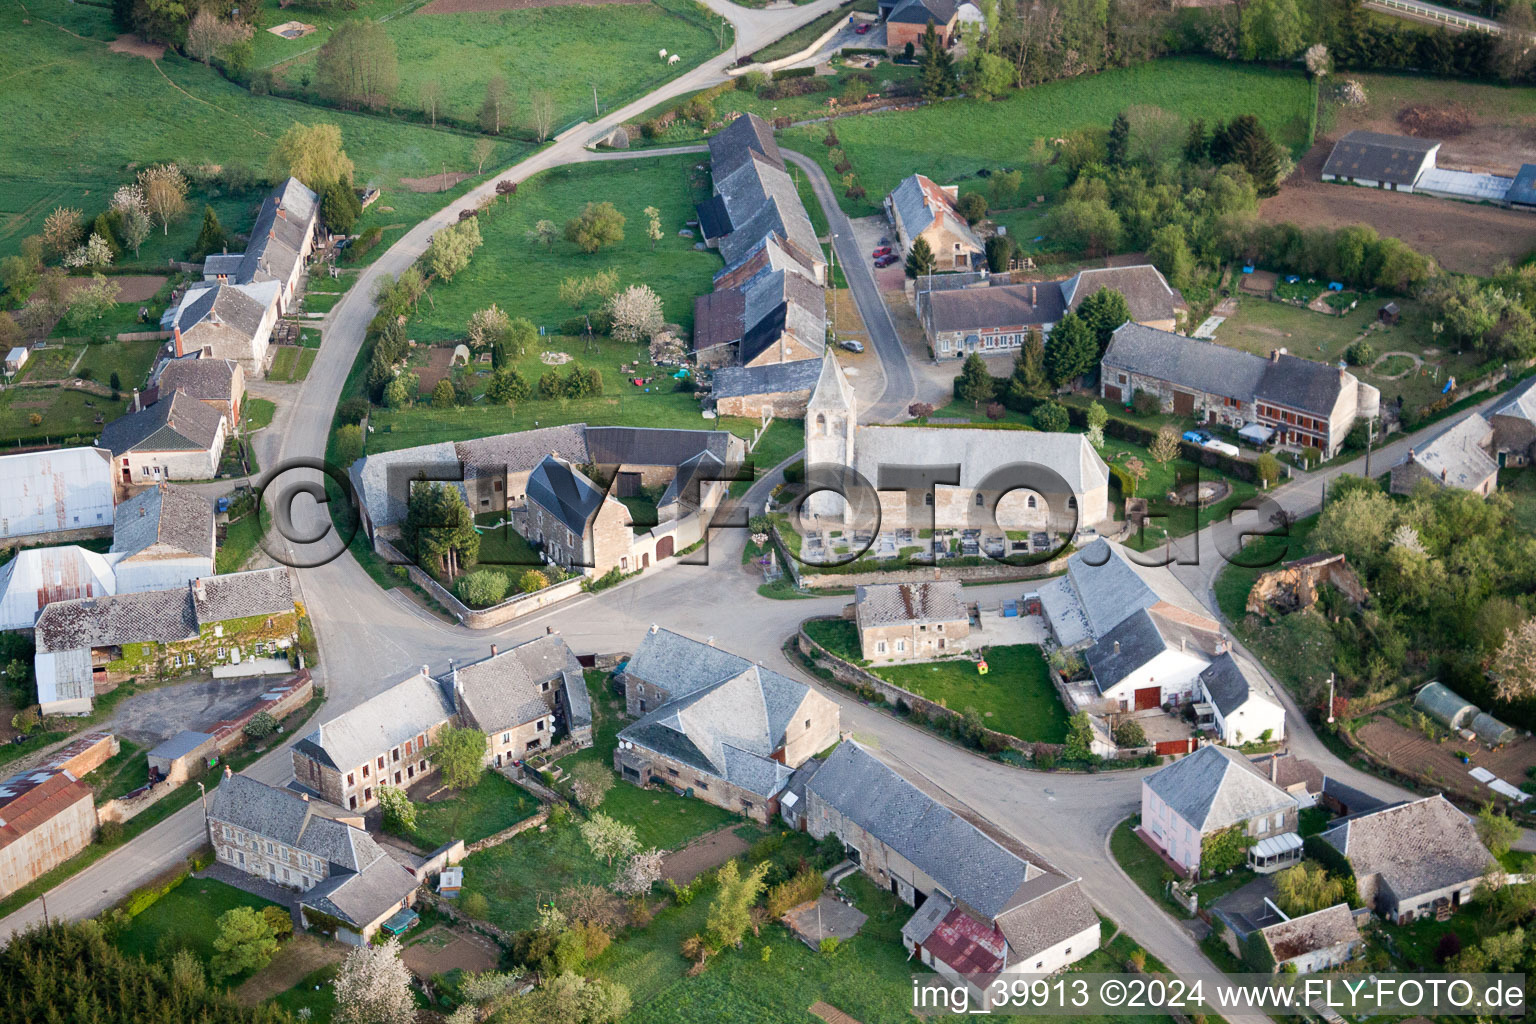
(611, 47)
(1015, 696)
(187, 916)
(303, 996)
(130, 360)
(63, 413)
(122, 318)
(1146, 868)
(1520, 485)
(321, 302)
(1260, 327)
(838, 636)
(783, 439)
(1260, 555)
(489, 806)
(258, 412)
(952, 140)
(290, 362)
(77, 115)
(242, 538)
(124, 772)
(1416, 942)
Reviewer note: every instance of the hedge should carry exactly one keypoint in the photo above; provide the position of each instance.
(141, 900)
(784, 73)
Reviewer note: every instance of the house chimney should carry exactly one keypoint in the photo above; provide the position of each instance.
(710, 641)
(304, 797)
(1274, 767)
(134, 405)
(198, 590)
(1274, 355)
(1183, 643)
(1117, 646)
(1442, 475)
(1034, 294)
(426, 671)
(653, 629)
(1410, 453)
(142, 512)
(177, 330)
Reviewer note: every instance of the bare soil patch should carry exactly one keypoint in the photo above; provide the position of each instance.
(1464, 237)
(294, 961)
(291, 30)
(439, 364)
(439, 950)
(133, 46)
(435, 182)
(706, 852)
(1411, 751)
(477, 6)
(130, 287)
(1436, 120)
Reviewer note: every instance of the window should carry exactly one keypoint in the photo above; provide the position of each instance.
(1071, 503)
(506, 737)
(368, 793)
(1068, 951)
(939, 627)
(544, 686)
(807, 723)
(421, 741)
(901, 645)
(624, 564)
(304, 881)
(671, 771)
(980, 501)
(1039, 964)
(351, 780)
(270, 850)
(421, 766)
(539, 727)
(880, 647)
(701, 784)
(397, 778)
(285, 874)
(351, 803)
(532, 745)
(394, 755)
(381, 762)
(928, 498)
(365, 769)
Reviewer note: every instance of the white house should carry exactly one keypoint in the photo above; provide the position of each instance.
(177, 438)
(1242, 705)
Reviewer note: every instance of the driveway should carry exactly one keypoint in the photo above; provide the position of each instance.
(151, 716)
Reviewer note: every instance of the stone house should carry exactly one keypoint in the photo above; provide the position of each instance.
(1211, 791)
(1514, 426)
(911, 621)
(725, 730)
(227, 321)
(46, 817)
(56, 492)
(777, 314)
(907, 20)
(1319, 941)
(521, 697)
(281, 240)
(777, 389)
(217, 383)
(1413, 859)
(162, 537)
(984, 903)
(1456, 457)
(178, 438)
(1307, 404)
(381, 742)
(918, 208)
(347, 884)
(1153, 302)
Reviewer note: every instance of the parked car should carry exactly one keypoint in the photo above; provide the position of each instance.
(1222, 446)
(863, 28)
(884, 250)
(851, 345)
(1197, 437)
(887, 260)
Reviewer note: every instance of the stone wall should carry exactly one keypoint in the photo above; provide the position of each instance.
(514, 607)
(507, 833)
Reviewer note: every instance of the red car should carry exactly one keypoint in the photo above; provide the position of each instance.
(862, 29)
(884, 250)
(887, 260)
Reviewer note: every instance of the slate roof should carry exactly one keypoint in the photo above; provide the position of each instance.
(1229, 685)
(1142, 636)
(286, 817)
(770, 379)
(921, 203)
(717, 318)
(1523, 189)
(980, 452)
(1216, 787)
(163, 616)
(1374, 156)
(179, 423)
(728, 729)
(899, 604)
(681, 665)
(1290, 770)
(388, 719)
(241, 306)
(779, 301)
(1520, 402)
(1147, 292)
(39, 804)
(277, 236)
(1322, 929)
(564, 492)
(241, 594)
(735, 144)
(521, 450)
(207, 380)
(507, 689)
(1103, 587)
(920, 12)
(176, 520)
(654, 446)
(1303, 384)
(714, 218)
(1185, 362)
(1000, 305)
(371, 477)
(1455, 456)
(363, 897)
(1415, 847)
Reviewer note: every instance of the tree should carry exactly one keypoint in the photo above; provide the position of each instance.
(1514, 666)
(1079, 745)
(1117, 145)
(1169, 252)
(1028, 382)
(987, 76)
(452, 246)
(165, 193)
(95, 254)
(481, 588)
(541, 114)
(439, 527)
(373, 986)
(597, 225)
(973, 207)
(592, 781)
(544, 232)
(506, 386)
(10, 337)
(1137, 471)
(481, 152)
(313, 154)
(999, 253)
(608, 837)
(489, 327)
(133, 224)
(459, 753)
(938, 66)
(730, 915)
(1356, 524)
(19, 275)
(210, 237)
(1088, 224)
(209, 36)
(1104, 312)
(635, 313)
(357, 66)
(976, 384)
(1129, 733)
(1268, 469)
(340, 207)
(88, 305)
(1270, 30)
(430, 97)
(1165, 446)
(261, 725)
(1072, 350)
(399, 812)
(1197, 143)
(62, 230)
(442, 394)
(496, 109)
(1317, 60)
(1051, 417)
(245, 943)
(653, 225)
(349, 443)
(1307, 888)
(639, 874)
(920, 259)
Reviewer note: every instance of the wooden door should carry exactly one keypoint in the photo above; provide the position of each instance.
(1148, 697)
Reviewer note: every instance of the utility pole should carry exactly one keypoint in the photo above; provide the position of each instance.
(1330, 698)
(1370, 435)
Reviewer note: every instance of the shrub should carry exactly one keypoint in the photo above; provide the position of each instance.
(804, 887)
(1448, 946)
(280, 920)
(475, 905)
(261, 725)
(1129, 733)
(1051, 416)
(1146, 404)
(352, 410)
(1361, 353)
(366, 243)
(481, 588)
(972, 206)
(995, 411)
(110, 833)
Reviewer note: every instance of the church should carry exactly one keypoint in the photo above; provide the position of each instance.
(973, 490)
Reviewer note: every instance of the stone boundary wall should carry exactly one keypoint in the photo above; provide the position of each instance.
(994, 572)
(535, 821)
(512, 608)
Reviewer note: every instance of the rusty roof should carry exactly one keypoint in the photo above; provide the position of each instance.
(38, 801)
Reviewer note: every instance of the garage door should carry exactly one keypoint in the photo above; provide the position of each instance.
(1148, 697)
(664, 548)
(1112, 393)
(1183, 403)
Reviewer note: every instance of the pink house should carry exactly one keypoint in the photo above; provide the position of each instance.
(1209, 791)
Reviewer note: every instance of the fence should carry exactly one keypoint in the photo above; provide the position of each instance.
(125, 336)
(1429, 12)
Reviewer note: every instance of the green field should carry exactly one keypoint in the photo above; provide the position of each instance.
(187, 916)
(951, 141)
(77, 116)
(63, 412)
(482, 810)
(1015, 696)
(564, 51)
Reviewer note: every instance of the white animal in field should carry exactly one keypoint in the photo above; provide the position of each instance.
(662, 54)
(673, 59)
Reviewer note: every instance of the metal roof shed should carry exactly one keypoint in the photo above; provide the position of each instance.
(1440, 703)
(1492, 731)
(1522, 191)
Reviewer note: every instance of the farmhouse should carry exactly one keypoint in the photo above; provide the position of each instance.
(206, 622)
(918, 208)
(1514, 426)
(55, 492)
(1456, 457)
(1308, 404)
(227, 321)
(217, 383)
(521, 697)
(179, 438)
(777, 389)
(907, 20)
(1209, 793)
(280, 243)
(775, 315)
(1313, 942)
(1063, 488)
(732, 741)
(911, 621)
(346, 882)
(1412, 859)
(985, 904)
(1152, 300)
(163, 537)
(1375, 160)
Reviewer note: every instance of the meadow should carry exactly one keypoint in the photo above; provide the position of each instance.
(612, 48)
(79, 118)
(951, 141)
